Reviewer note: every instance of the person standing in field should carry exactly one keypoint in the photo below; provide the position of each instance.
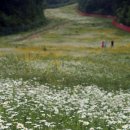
(102, 44)
(105, 44)
(112, 43)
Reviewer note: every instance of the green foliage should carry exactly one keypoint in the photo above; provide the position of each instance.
(16, 15)
(117, 7)
(69, 71)
(96, 6)
(123, 13)
(57, 3)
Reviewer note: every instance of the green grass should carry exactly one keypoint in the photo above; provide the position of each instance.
(65, 55)
(69, 39)
(99, 69)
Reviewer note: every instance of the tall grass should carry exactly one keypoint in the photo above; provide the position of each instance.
(58, 78)
(108, 71)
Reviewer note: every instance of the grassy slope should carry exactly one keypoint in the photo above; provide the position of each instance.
(67, 52)
(64, 54)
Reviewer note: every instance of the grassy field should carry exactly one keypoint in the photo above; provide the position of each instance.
(59, 78)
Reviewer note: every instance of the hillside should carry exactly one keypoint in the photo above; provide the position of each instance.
(58, 77)
(70, 35)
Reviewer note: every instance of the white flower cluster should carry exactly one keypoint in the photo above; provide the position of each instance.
(39, 106)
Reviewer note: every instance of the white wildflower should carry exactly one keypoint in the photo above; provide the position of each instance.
(19, 126)
(91, 129)
(85, 123)
(56, 111)
(125, 126)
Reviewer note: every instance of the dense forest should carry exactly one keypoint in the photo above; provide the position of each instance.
(123, 12)
(119, 8)
(18, 15)
(56, 3)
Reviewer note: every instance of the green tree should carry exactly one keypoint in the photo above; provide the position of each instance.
(120, 8)
(56, 3)
(123, 13)
(96, 6)
(17, 15)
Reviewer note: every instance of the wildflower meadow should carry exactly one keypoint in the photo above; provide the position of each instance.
(59, 78)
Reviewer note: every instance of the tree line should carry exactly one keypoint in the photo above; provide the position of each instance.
(119, 8)
(19, 15)
(58, 3)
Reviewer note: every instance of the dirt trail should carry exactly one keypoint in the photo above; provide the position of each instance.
(36, 34)
(6, 49)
